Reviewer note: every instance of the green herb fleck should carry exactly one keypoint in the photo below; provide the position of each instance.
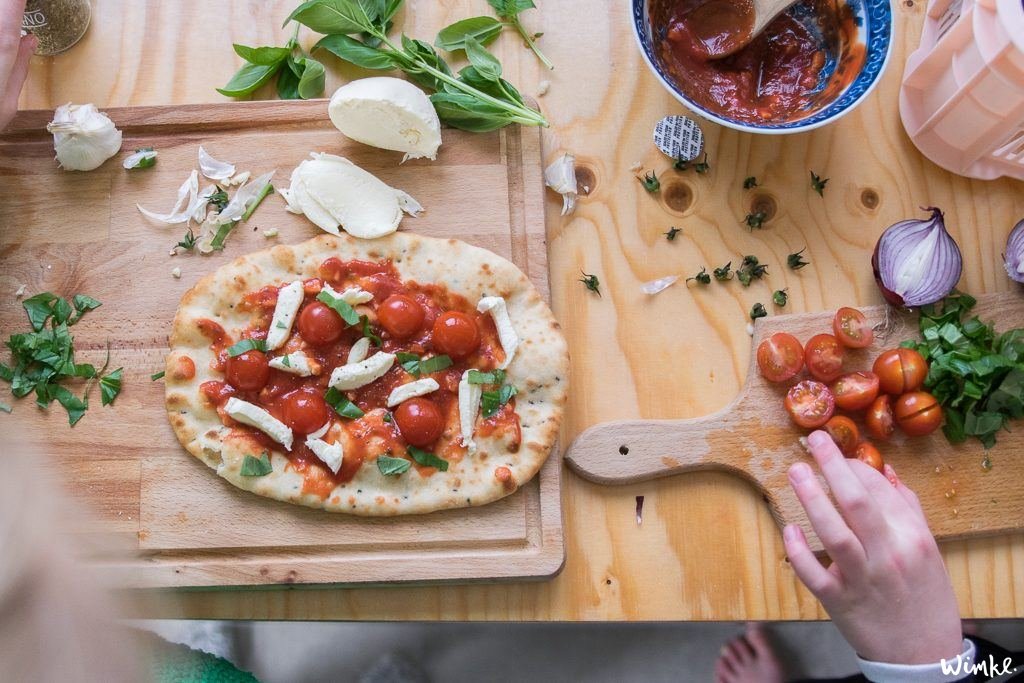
(756, 220)
(6, 408)
(246, 345)
(188, 242)
(428, 459)
(780, 297)
(796, 261)
(818, 183)
(671, 234)
(364, 321)
(390, 466)
(387, 418)
(256, 467)
(147, 161)
(702, 277)
(703, 166)
(157, 375)
(724, 273)
(758, 311)
(492, 377)
(749, 183)
(591, 282)
(218, 199)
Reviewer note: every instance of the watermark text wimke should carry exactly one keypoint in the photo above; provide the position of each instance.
(989, 668)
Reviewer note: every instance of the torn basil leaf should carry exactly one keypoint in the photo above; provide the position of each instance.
(347, 313)
(492, 401)
(110, 386)
(256, 467)
(342, 405)
(428, 459)
(245, 345)
(390, 466)
(493, 377)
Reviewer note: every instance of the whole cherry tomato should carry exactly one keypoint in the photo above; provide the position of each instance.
(918, 413)
(305, 411)
(810, 404)
(455, 334)
(852, 328)
(780, 357)
(879, 419)
(248, 371)
(900, 370)
(320, 325)
(420, 421)
(824, 357)
(869, 455)
(401, 316)
(855, 391)
(844, 432)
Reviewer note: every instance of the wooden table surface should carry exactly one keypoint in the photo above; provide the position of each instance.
(708, 548)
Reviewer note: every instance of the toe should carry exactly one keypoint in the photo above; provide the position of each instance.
(741, 650)
(728, 659)
(722, 675)
(758, 641)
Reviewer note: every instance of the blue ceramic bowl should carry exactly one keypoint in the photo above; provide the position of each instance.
(874, 25)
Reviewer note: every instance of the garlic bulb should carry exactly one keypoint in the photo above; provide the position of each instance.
(560, 176)
(83, 137)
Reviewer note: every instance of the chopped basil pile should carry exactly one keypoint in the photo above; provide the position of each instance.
(977, 375)
(44, 358)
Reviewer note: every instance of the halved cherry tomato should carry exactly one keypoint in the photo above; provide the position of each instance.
(879, 419)
(401, 316)
(420, 421)
(918, 413)
(869, 455)
(305, 411)
(780, 357)
(856, 390)
(320, 325)
(900, 370)
(852, 329)
(844, 432)
(248, 371)
(824, 357)
(810, 404)
(456, 334)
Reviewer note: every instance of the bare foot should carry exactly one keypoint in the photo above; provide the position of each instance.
(748, 659)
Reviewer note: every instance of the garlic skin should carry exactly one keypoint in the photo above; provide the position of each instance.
(83, 137)
(560, 176)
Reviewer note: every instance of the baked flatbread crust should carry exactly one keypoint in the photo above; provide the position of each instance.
(539, 370)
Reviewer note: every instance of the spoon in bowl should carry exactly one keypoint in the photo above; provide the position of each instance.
(719, 28)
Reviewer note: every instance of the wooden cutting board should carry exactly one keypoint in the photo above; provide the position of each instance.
(754, 438)
(81, 233)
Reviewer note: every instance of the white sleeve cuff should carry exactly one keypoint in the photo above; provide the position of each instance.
(941, 672)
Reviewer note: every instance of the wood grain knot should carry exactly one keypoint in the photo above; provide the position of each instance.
(766, 204)
(677, 196)
(586, 179)
(869, 198)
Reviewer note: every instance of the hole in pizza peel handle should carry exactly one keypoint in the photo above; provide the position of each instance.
(623, 450)
(639, 510)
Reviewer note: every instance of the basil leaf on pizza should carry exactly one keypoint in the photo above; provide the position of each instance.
(256, 467)
(390, 466)
(376, 355)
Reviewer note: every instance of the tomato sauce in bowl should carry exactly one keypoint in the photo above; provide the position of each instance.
(805, 58)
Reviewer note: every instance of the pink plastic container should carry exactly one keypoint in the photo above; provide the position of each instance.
(962, 100)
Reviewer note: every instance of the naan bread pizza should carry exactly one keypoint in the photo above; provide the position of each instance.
(401, 375)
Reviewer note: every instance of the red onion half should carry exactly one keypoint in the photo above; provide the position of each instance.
(917, 262)
(1014, 257)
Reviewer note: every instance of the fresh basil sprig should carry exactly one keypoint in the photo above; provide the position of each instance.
(487, 29)
(478, 99)
(509, 10)
(299, 76)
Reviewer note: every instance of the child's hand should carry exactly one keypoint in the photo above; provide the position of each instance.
(15, 51)
(887, 589)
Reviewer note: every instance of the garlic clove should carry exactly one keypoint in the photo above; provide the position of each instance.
(83, 137)
(560, 176)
